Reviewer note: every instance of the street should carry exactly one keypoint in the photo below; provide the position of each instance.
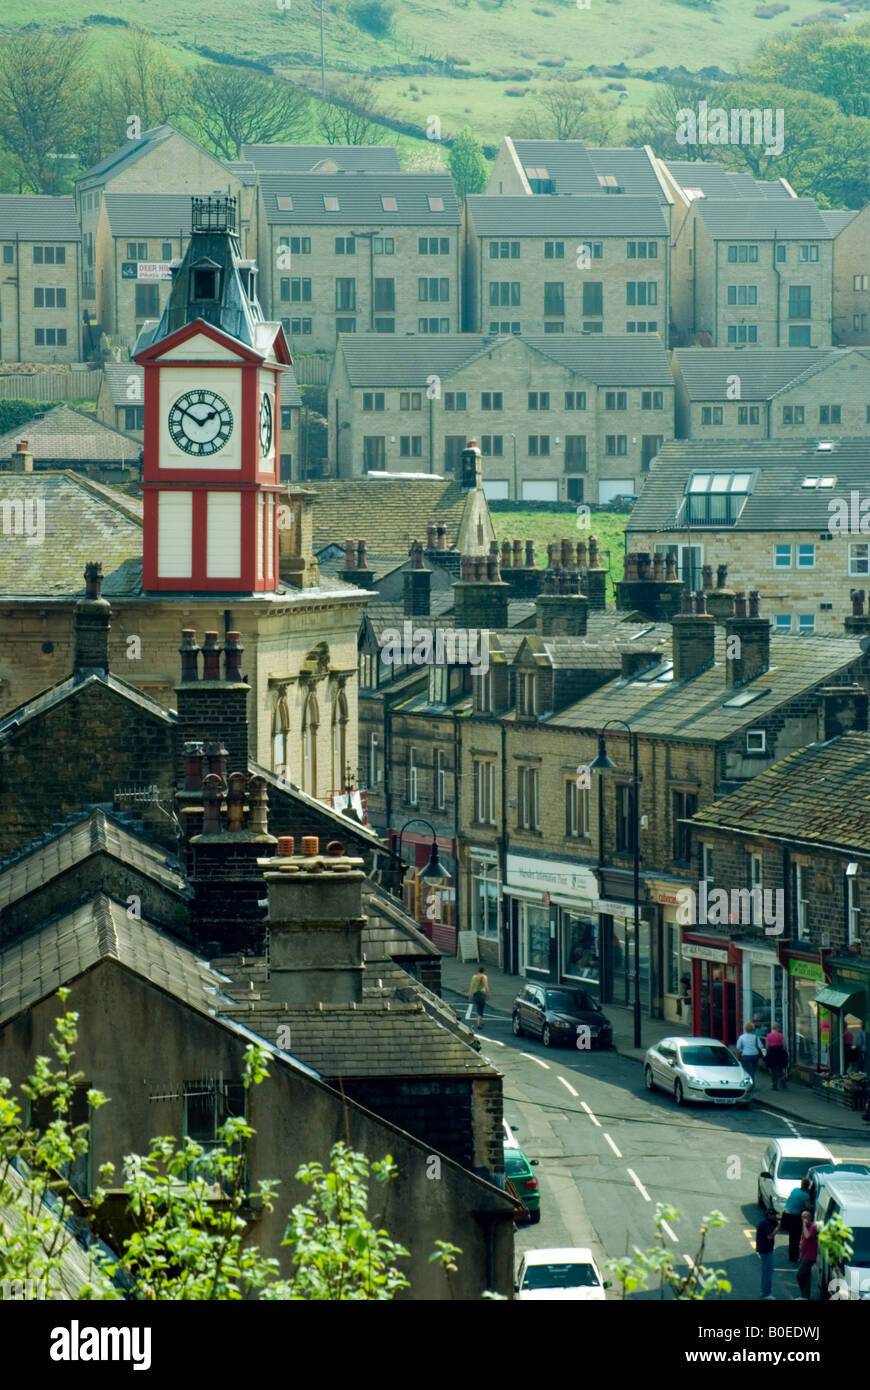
(609, 1151)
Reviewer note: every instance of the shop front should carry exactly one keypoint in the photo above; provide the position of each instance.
(843, 1005)
(764, 990)
(432, 905)
(551, 912)
(485, 902)
(714, 991)
(676, 971)
(620, 966)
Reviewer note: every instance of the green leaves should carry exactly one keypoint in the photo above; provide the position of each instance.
(634, 1272)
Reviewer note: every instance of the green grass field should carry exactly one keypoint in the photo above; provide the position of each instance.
(516, 35)
(544, 527)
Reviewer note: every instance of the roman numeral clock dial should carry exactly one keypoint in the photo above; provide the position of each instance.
(200, 423)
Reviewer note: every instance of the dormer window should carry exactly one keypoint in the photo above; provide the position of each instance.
(438, 685)
(527, 694)
(484, 691)
(205, 281)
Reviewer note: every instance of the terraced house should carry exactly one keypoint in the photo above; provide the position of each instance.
(786, 516)
(40, 245)
(138, 236)
(355, 252)
(554, 265)
(557, 418)
(772, 393)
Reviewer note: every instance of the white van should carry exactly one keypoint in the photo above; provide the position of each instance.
(849, 1198)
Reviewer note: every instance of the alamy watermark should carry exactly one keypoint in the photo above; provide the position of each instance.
(23, 516)
(739, 126)
(439, 646)
(849, 516)
(747, 907)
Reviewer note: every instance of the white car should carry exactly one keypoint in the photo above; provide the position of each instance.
(698, 1069)
(784, 1163)
(559, 1273)
(508, 1138)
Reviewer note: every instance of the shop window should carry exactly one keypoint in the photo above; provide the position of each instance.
(484, 898)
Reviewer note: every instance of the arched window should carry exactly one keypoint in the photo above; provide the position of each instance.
(280, 729)
(310, 722)
(339, 741)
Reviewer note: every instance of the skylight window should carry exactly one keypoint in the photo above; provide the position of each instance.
(716, 499)
(388, 203)
(745, 697)
(330, 203)
(818, 482)
(285, 204)
(436, 204)
(810, 482)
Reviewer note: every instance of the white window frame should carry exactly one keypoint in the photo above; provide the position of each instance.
(806, 623)
(853, 546)
(440, 779)
(707, 865)
(853, 909)
(756, 870)
(412, 777)
(760, 735)
(374, 768)
(801, 903)
(527, 693)
(780, 620)
(576, 810)
(485, 692)
(802, 563)
(528, 799)
(780, 563)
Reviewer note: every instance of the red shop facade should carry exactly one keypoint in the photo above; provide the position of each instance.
(715, 965)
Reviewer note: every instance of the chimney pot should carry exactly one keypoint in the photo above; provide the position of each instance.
(685, 602)
(258, 800)
(754, 599)
(492, 573)
(285, 847)
(233, 657)
(857, 597)
(721, 576)
(593, 553)
(192, 767)
(310, 845)
(350, 555)
(740, 604)
(431, 536)
(506, 553)
(581, 554)
(517, 550)
(211, 657)
(361, 555)
(93, 579)
(217, 756)
(189, 655)
(701, 601)
(670, 566)
(658, 566)
(236, 801)
(212, 792)
(442, 536)
(706, 576)
(336, 849)
(530, 554)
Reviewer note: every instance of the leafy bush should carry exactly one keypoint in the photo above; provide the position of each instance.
(769, 11)
(13, 414)
(374, 16)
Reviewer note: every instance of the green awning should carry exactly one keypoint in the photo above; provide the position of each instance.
(831, 998)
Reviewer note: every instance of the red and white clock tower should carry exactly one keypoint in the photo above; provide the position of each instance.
(212, 408)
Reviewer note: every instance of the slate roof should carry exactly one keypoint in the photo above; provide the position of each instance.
(716, 182)
(612, 360)
(63, 435)
(759, 219)
(763, 372)
(243, 170)
(117, 376)
(38, 217)
(836, 219)
(819, 795)
(778, 502)
(149, 214)
(56, 694)
(695, 710)
(126, 154)
(633, 170)
(290, 393)
(84, 835)
(359, 196)
(83, 518)
(567, 163)
(287, 159)
(550, 214)
(388, 513)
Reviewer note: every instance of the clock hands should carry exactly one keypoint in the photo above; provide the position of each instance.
(201, 419)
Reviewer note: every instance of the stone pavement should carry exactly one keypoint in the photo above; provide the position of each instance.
(798, 1103)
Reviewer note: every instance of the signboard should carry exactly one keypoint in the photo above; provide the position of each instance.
(559, 875)
(806, 969)
(468, 945)
(145, 270)
(844, 974)
(693, 952)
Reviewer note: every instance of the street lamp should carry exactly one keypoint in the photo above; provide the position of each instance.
(434, 871)
(603, 764)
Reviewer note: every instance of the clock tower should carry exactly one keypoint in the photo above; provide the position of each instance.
(212, 370)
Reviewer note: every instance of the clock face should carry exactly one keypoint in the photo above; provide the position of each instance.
(265, 424)
(200, 422)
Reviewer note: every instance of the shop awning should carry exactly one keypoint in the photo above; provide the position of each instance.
(832, 998)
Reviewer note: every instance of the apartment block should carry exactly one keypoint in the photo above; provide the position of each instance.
(571, 167)
(553, 265)
(755, 272)
(851, 275)
(792, 519)
(359, 252)
(157, 161)
(556, 418)
(774, 393)
(40, 247)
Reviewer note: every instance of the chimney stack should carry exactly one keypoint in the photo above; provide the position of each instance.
(21, 460)
(596, 579)
(653, 590)
(224, 866)
(211, 711)
(753, 641)
(694, 634)
(417, 582)
(857, 624)
(720, 601)
(480, 595)
(92, 614)
(561, 611)
(315, 925)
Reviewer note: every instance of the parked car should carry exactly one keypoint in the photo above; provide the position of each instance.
(849, 1199)
(839, 1171)
(518, 1171)
(509, 1138)
(559, 1273)
(623, 501)
(699, 1069)
(561, 1014)
(784, 1163)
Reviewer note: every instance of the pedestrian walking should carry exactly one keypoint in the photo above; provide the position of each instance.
(798, 1201)
(776, 1057)
(479, 991)
(765, 1233)
(809, 1253)
(749, 1048)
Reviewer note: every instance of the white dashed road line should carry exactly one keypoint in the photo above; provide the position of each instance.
(639, 1185)
(545, 1065)
(568, 1087)
(612, 1145)
(585, 1107)
(491, 1040)
(785, 1120)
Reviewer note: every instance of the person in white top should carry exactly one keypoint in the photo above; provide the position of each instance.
(749, 1048)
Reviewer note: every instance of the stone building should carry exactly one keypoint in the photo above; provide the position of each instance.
(557, 418)
(362, 251)
(561, 167)
(851, 280)
(785, 516)
(61, 439)
(138, 235)
(40, 312)
(797, 832)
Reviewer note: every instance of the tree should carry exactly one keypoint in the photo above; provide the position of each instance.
(231, 107)
(575, 114)
(694, 1284)
(351, 114)
(468, 167)
(42, 79)
(821, 59)
(660, 122)
(135, 79)
(191, 1208)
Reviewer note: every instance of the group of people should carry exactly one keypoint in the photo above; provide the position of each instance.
(751, 1047)
(803, 1239)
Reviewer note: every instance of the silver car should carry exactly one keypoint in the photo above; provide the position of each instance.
(699, 1069)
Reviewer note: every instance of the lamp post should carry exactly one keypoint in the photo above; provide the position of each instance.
(434, 871)
(602, 763)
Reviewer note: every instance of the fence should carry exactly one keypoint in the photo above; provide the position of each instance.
(51, 386)
(311, 371)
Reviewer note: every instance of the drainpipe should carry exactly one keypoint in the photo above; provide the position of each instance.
(778, 274)
(457, 782)
(18, 293)
(431, 435)
(388, 762)
(509, 962)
